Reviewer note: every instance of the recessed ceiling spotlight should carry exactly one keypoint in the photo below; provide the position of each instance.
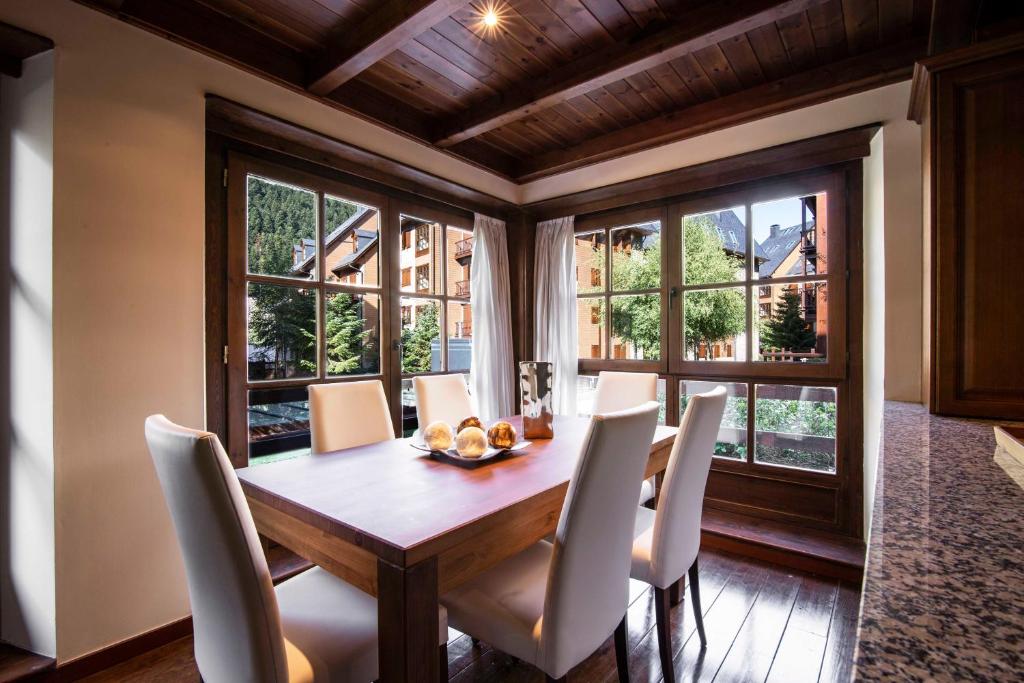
(490, 18)
(491, 15)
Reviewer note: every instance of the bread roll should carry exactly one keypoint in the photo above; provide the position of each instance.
(471, 442)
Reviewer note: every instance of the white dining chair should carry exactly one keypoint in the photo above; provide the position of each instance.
(443, 398)
(555, 604)
(348, 414)
(311, 628)
(621, 390)
(668, 539)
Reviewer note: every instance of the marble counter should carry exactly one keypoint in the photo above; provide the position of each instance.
(944, 583)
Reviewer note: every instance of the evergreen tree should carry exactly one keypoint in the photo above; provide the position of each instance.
(787, 328)
(416, 342)
(350, 347)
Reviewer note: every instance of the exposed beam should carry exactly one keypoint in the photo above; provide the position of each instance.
(16, 45)
(386, 29)
(706, 25)
(953, 24)
(871, 70)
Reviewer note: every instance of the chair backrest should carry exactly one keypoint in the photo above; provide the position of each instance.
(442, 398)
(348, 414)
(676, 538)
(588, 580)
(237, 626)
(622, 390)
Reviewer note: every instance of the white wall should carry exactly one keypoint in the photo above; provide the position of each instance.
(27, 574)
(876, 249)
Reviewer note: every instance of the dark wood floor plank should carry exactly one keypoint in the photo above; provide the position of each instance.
(722, 622)
(750, 657)
(745, 612)
(837, 663)
(803, 644)
(644, 660)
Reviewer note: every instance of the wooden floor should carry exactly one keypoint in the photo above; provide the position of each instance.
(764, 623)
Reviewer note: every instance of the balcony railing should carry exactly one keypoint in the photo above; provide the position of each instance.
(462, 288)
(464, 249)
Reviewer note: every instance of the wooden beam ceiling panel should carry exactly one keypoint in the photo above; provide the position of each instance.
(855, 74)
(385, 30)
(704, 26)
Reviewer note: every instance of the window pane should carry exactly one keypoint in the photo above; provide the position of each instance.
(459, 244)
(586, 390)
(715, 246)
(714, 324)
(636, 257)
(352, 335)
(590, 260)
(421, 335)
(590, 327)
(352, 242)
(420, 259)
(792, 322)
(796, 427)
(459, 323)
(732, 435)
(281, 221)
(281, 332)
(278, 424)
(790, 235)
(636, 327)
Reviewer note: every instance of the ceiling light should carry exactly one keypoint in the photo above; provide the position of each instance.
(490, 18)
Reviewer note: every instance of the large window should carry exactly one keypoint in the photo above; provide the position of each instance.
(745, 288)
(331, 283)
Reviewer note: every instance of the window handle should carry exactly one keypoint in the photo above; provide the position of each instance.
(673, 293)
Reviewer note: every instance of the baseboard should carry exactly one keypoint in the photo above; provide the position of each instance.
(806, 550)
(94, 662)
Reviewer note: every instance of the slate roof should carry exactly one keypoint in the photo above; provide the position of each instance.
(733, 234)
(353, 222)
(777, 248)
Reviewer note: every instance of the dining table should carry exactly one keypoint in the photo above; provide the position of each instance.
(406, 526)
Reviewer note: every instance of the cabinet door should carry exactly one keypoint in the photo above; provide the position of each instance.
(978, 276)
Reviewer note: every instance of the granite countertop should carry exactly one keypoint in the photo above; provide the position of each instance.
(944, 583)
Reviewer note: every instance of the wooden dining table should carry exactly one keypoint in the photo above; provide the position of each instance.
(406, 526)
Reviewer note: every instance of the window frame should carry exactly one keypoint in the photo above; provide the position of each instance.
(606, 222)
(447, 219)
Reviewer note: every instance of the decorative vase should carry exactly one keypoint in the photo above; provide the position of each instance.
(535, 381)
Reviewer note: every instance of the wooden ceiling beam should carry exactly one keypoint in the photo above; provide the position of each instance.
(706, 25)
(846, 77)
(384, 30)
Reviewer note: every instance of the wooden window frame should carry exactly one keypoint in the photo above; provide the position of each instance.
(447, 219)
(835, 495)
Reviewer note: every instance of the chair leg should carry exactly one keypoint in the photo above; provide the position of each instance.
(664, 626)
(622, 651)
(476, 641)
(444, 662)
(695, 601)
(675, 592)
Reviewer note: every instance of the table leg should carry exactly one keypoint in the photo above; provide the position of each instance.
(407, 622)
(659, 479)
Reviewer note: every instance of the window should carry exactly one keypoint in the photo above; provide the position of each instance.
(437, 334)
(622, 293)
(308, 300)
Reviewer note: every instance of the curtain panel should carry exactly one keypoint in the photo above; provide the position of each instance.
(492, 373)
(555, 286)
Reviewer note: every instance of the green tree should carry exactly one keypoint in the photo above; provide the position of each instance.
(637, 319)
(351, 348)
(711, 315)
(787, 329)
(416, 341)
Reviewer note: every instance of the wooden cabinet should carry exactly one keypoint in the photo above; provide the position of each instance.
(971, 103)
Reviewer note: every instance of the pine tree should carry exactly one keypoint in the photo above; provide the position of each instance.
(350, 347)
(416, 342)
(787, 328)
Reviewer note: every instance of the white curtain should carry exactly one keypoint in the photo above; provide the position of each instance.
(555, 338)
(492, 375)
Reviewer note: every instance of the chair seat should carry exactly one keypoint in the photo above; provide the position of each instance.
(643, 535)
(504, 606)
(330, 629)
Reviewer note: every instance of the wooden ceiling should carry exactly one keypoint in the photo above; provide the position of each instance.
(561, 83)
